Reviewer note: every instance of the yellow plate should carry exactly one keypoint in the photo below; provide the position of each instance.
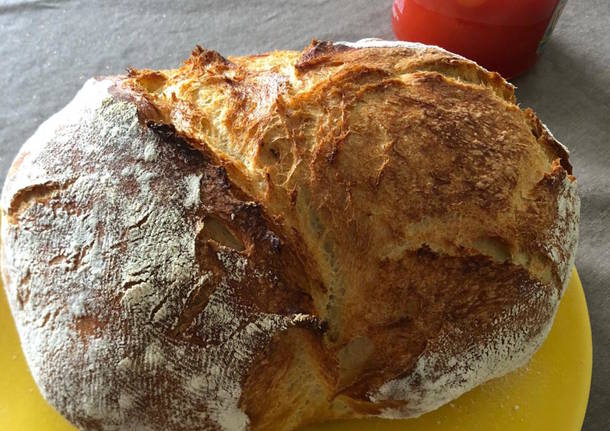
(550, 393)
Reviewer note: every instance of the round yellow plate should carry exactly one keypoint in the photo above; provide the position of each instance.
(549, 394)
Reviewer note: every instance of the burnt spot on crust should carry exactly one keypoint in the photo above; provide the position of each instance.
(167, 132)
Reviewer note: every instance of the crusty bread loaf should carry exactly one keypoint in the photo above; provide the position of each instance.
(264, 242)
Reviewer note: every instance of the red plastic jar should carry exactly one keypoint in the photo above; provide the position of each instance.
(503, 35)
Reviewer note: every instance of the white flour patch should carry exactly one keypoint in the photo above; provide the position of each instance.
(562, 240)
(154, 355)
(125, 364)
(192, 191)
(151, 152)
(126, 401)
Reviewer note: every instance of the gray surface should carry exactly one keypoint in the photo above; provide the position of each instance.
(49, 48)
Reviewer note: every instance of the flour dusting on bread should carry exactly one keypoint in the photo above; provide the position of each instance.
(128, 245)
(248, 243)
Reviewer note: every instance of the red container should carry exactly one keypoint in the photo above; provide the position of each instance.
(503, 35)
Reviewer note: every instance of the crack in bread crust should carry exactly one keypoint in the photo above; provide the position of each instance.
(263, 242)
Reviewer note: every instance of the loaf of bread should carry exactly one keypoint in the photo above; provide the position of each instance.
(264, 242)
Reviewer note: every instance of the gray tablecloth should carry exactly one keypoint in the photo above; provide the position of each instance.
(49, 48)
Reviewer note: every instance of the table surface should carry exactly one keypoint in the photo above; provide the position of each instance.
(49, 48)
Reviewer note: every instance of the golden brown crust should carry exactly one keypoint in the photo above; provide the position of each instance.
(395, 199)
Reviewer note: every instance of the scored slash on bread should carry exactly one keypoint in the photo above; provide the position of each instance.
(264, 242)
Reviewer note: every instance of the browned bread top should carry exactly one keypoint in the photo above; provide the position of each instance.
(267, 241)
